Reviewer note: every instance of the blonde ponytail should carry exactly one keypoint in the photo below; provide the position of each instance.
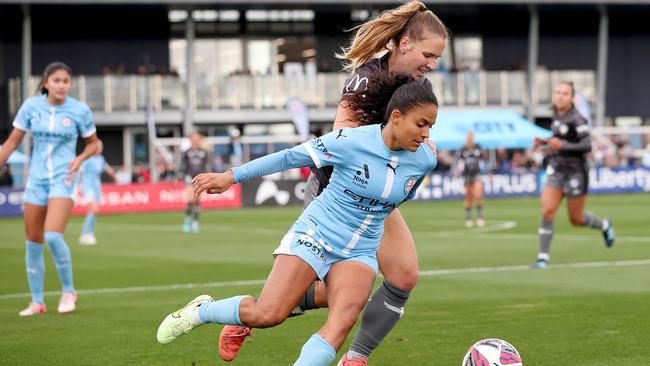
(375, 35)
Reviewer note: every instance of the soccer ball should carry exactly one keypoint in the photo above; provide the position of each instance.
(492, 352)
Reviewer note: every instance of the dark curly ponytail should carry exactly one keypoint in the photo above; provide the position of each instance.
(385, 93)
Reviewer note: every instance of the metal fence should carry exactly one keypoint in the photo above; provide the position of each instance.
(469, 88)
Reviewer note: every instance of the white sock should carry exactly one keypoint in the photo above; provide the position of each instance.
(352, 355)
(195, 316)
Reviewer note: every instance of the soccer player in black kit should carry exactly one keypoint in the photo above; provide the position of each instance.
(567, 173)
(193, 161)
(470, 165)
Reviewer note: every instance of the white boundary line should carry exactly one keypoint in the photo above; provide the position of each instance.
(431, 273)
(461, 232)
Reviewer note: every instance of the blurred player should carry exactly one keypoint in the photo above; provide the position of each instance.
(377, 167)
(193, 161)
(56, 121)
(567, 173)
(470, 165)
(91, 190)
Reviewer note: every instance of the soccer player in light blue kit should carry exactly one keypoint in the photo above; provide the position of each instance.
(91, 189)
(56, 120)
(376, 168)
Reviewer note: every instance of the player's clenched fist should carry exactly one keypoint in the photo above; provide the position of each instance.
(212, 182)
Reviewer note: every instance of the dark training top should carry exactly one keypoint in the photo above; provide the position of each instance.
(470, 160)
(193, 162)
(573, 130)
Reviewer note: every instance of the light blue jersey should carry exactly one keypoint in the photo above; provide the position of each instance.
(368, 182)
(55, 130)
(91, 174)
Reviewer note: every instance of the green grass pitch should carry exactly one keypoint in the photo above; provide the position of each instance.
(591, 308)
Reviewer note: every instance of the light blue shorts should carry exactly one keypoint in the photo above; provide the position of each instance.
(39, 194)
(305, 243)
(92, 191)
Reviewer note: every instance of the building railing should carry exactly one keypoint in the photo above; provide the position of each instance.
(252, 92)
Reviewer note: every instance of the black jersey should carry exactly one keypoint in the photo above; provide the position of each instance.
(469, 160)
(573, 130)
(195, 161)
(359, 77)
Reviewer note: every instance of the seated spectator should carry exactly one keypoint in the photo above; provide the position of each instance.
(123, 175)
(645, 157)
(142, 174)
(518, 164)
(502, 162)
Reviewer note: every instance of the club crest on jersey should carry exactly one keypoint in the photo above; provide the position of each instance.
(410, 183)
(66, 122)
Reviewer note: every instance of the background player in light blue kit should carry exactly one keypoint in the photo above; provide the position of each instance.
(376, 168)
(91, 189)
(56, 120)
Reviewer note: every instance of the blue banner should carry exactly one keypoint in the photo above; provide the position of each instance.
(11, 201)
(601, 181)
(492, 129)
(618, 180)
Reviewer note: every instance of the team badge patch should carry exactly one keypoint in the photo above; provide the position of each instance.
(66, 122)
(410, 183)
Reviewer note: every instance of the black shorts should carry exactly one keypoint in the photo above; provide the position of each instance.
(471, 178)
(571, 183)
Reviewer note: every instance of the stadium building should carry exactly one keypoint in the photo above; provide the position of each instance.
(219, 65)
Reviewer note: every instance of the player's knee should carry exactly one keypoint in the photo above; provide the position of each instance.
(407, 280)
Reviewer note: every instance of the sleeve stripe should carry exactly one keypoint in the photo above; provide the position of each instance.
(312, 154)
(19, 126)
(89, 133)
(583, 128)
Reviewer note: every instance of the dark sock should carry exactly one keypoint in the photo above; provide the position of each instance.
(545, 236)
(307, 302)
(592, 220)
(196, 210)
(468, 213)
(385, 308)
(479, 211)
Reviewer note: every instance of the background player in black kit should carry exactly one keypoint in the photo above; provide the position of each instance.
(470, 165)
(193, 161)
(567, 173)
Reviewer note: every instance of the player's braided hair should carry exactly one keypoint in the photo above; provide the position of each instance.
(385, 93)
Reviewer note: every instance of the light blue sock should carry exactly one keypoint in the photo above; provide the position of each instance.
(316, 352)
(62, 258)
(35, 270)
(89, 224)
(224, 311)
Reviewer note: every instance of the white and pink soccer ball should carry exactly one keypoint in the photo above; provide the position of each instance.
(492, 352)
